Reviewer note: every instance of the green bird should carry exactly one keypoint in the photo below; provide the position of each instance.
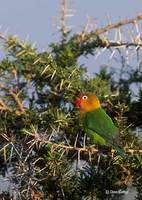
(97, 124)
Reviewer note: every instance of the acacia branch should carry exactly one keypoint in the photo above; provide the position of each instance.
(16, 99)
(87, 149)
(91, 149)
(65, 10)
(95, 41)
(4, 107)
(123, 44)
(119, 24)
(74, 148)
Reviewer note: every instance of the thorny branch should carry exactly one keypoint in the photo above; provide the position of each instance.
(37, 141)
(4, 107)
(15, 97)
(17, 100)
(122, 44)
(85, 36)
(65, 10)
(88, 149)
(119, 24)
(66, 13)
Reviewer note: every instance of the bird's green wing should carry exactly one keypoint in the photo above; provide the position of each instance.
(101, 128)
(100, 123)
(96, 138)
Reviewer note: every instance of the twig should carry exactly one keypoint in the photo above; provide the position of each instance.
(64, 29)
(2, 36)
(76, 140)
(119, 24)
(4, 107)
(16, 99)
(123, 44)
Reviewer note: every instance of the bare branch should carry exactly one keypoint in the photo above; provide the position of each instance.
(4, 107)
(123, 44)
(91, 149)
(17, 100)
(119, 24)
(64, 29)
(88, 149)
(2, 36)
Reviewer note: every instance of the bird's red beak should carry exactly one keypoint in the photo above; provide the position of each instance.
(78, 102)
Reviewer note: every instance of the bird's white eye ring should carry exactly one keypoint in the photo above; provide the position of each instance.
(84, 97)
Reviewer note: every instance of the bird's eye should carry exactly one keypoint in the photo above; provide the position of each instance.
(84, 97)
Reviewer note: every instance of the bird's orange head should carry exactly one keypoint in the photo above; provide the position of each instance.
(87, 102)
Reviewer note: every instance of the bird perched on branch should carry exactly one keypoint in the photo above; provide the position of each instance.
(98, 125)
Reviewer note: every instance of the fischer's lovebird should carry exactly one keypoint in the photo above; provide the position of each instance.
(97, 124)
